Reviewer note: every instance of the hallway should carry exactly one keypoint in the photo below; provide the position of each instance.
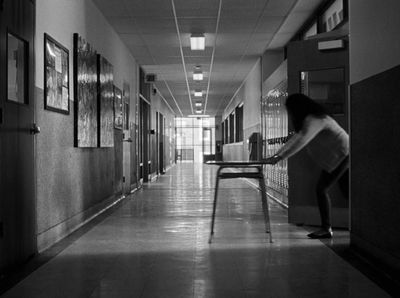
(155, 245)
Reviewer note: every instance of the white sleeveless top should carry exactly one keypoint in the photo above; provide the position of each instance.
(330, 146)
(327, 142)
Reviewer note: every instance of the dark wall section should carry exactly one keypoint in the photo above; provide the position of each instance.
(375, 170)
(70, 181)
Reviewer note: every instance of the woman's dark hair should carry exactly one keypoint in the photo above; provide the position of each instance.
(299, 106)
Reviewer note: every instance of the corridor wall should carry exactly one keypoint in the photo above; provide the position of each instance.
(375, 127)
(73, 183)
(249, 94)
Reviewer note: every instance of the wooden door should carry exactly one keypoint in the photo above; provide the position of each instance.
(17, 131)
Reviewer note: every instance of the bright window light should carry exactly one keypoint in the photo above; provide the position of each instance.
(197, 42)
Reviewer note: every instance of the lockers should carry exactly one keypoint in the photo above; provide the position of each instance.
(274, 129)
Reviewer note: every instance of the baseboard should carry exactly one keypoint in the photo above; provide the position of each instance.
(375, 255)
(63, 229)
(153, 177)
(309, 215)
(169, 167)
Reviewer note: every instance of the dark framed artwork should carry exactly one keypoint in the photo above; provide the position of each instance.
(56, 76)
(85, 93)
(118, 108)
(106, 102)
(126, 115)
(126, 94)
(17, 69)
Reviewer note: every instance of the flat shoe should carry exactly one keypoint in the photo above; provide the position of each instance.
(321, 234)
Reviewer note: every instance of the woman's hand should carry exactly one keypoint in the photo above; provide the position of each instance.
(273, 159)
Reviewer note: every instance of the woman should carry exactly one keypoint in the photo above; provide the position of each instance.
(328, 145)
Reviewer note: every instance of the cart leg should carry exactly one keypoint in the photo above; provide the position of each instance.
(214, 206)
(265, 206)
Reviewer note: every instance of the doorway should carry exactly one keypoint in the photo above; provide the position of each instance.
(127, 140)
(17, 130)
(207, 144)
(161, 141)
(144, 144)
(194, 139)
(322, 75)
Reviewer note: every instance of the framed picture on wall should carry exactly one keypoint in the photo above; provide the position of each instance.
(126, 115)
(85, 91)
(118, 108)
(126, 96)
(56, 76)
(106, 102)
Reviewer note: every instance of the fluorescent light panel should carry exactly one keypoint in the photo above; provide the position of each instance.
(198, 93)
(198, 76)
(197, 42)
(198, 116)
(198, 104)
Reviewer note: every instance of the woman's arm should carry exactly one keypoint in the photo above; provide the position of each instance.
(311, 127)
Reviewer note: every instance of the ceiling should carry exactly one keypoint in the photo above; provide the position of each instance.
(237, 32)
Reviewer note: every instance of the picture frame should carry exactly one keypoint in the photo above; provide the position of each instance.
(126, 98)
(105, 102)
(118, 108)
(56, 76)
(85, 94)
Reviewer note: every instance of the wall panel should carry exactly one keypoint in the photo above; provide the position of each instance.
(75, 183)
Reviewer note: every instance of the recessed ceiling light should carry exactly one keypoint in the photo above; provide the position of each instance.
(198, 116)
(197, 42)
(198, 75)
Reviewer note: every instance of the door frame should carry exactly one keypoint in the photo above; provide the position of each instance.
(303, 173)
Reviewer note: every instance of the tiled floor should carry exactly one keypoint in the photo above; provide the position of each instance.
(156, 245)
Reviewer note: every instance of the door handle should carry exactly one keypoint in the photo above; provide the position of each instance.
(129, 140)
(35, 129)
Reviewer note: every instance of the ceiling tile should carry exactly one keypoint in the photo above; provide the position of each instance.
(112, 8)
(153, 25)
(246, 29)
(167, 40)
(269, 24)
(134, 40)
(124, 25)
(279, 7)
(197, 25)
